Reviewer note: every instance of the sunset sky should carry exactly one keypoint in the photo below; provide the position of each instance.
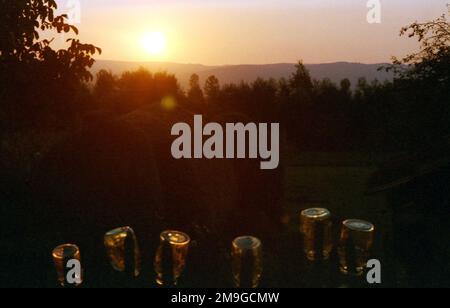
(216, 32)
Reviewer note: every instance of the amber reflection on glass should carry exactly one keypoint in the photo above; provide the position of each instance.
(316, 229)
(355, 245)
(123, 250)
(247, 262)
(61, 255)
(170, 260)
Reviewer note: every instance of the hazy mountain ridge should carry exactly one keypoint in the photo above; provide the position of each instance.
(237, 73)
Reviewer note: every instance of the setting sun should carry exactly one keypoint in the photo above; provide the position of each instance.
(154, 43)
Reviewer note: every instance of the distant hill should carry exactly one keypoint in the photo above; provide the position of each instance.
(237, 73)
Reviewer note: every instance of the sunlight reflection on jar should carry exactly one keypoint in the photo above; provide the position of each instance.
(356, 241)
(61, 256)
(316, 229)
(123, 250)
(247, 261)
(170, 260)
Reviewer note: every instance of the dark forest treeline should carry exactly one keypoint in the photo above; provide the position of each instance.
(316, 115)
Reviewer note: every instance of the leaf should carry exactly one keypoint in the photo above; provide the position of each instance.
(75, 29)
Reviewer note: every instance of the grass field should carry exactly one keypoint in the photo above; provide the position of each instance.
(337, 182)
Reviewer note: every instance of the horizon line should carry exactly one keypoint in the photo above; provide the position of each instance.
(241, 64)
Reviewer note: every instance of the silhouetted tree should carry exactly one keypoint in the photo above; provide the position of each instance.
(296, 110)
(421, 92)
(35, 78)
(301, 84)
(105, 89)
(346, 86)
(139, 88)
(432, 61)
(264, 98)
(195, 93)
(212, 88)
